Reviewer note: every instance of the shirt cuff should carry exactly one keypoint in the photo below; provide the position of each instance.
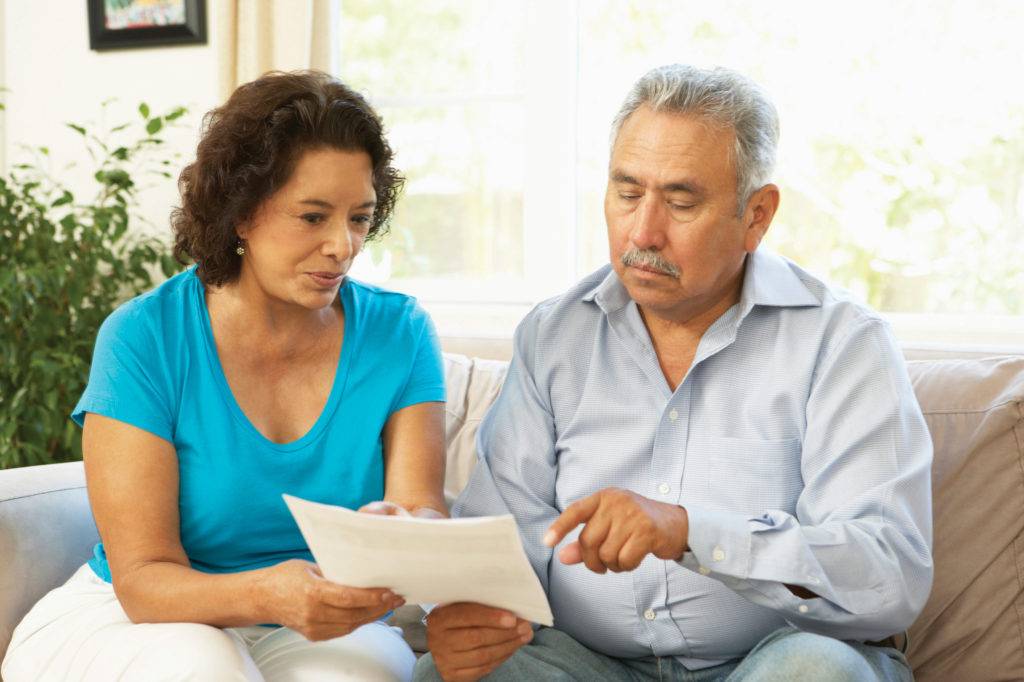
(719, 543)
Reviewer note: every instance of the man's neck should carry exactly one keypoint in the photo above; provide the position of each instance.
(693, 320)
(675, 338)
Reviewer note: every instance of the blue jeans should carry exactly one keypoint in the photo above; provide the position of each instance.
(786, 655)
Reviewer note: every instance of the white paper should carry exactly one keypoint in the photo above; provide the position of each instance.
(426, 561)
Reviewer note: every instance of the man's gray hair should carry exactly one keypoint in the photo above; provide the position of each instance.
(724, 97)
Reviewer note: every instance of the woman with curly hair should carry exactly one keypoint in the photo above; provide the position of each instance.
(261, 370)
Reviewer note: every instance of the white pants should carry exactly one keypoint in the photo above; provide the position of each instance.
(80, 632)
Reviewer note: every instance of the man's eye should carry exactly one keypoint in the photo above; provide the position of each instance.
(629, 197)
(313, 218)
(681, 207)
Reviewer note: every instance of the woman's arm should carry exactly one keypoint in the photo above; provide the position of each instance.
(414, 457)
(132, 479)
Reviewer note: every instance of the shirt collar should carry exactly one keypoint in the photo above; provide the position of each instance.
(769, 281)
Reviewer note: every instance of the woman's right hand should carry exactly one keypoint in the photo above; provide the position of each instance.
(295, 594)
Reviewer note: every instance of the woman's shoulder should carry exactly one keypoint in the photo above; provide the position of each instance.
(155, 308)
(383, 303)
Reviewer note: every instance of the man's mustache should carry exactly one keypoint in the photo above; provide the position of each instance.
(649, 258)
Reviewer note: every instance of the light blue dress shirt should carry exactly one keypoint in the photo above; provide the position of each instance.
(794, 442)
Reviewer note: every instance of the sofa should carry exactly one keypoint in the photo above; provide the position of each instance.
(971, 629)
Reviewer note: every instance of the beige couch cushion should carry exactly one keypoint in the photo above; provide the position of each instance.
(472, 385)
(972, 627)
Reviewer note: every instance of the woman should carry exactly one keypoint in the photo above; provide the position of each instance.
(261, 370)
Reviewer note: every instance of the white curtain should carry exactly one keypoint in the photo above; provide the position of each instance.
(256, 36)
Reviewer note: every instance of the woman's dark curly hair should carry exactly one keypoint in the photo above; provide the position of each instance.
(248, 150)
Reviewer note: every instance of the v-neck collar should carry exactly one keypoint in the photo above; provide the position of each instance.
(348, 341)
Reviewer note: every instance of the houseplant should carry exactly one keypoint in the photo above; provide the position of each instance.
(65, 264)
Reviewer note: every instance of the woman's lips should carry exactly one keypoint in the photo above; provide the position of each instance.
(326, 280)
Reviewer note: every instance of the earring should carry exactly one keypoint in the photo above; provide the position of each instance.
(240, 249)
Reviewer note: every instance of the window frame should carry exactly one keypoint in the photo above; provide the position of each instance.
(472, 308)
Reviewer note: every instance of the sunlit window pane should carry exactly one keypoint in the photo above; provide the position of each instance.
(447, 78)
(902, 155)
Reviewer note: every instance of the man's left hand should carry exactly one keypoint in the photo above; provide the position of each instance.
(621, 528)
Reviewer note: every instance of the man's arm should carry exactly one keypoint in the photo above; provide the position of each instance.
(861, 536)
(515, 474)
(516, 468)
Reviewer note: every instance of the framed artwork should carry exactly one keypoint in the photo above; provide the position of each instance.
(118, 24)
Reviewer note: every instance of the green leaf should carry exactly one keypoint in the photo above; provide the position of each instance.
(176, 114)
(77, 128)
(154, 125)
(19, 395)
(65, 198)
(144, 110)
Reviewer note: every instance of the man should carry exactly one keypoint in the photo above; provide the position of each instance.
(717, 463)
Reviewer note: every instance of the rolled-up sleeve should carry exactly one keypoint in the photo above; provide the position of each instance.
(860, 537)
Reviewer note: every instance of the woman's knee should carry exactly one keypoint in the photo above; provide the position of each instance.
(191, 651)
(374, 652)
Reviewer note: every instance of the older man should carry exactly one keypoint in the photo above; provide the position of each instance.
(716, 461)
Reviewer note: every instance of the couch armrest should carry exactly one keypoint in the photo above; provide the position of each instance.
(46, 532)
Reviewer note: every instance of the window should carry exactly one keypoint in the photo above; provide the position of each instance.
(901, 162)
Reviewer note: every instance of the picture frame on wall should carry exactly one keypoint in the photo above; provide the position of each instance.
(121, 24)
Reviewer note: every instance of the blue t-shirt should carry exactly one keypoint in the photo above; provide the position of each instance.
(155, 366)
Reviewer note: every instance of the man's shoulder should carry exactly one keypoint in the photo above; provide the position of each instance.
(574, 304)
(838, 304)
(841, 317)
(574, 308)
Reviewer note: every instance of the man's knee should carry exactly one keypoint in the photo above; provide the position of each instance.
(805, 656)
(425, 670)
(524, 664)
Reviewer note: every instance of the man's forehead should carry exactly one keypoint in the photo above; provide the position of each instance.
(682, 147)
(670, 183)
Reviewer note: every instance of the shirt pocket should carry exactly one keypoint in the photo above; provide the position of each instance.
(751, 476)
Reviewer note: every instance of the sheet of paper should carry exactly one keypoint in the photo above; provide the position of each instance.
(427, 561)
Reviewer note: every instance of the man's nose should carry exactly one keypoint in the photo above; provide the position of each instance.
(648, 224)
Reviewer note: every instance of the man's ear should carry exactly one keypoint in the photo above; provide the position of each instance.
(758, 215)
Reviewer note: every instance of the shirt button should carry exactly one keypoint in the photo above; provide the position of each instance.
(649, 614)
(718, 554)
(664, 488)
(802, 608)
(673, 415)
(704, 570)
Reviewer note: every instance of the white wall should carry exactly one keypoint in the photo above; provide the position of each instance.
(53, 77)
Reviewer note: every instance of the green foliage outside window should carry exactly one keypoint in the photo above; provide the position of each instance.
(65, 264)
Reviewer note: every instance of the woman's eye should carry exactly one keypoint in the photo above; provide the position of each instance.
(313, 218)
(362, 221)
